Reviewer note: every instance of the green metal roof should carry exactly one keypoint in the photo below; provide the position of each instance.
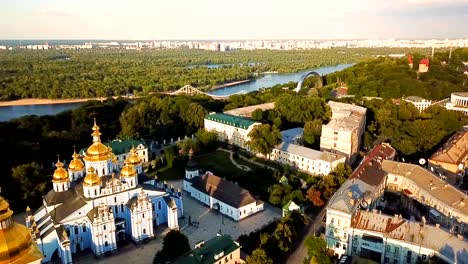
(206, 254)
(120, 147)
(231, 120)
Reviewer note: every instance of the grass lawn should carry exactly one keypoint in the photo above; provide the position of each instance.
(219, 163)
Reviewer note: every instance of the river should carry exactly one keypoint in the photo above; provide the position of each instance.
(268, 80)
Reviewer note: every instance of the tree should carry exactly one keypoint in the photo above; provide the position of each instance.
(263, 138)
(187, 144)
(169, 156)
(259, 256)
(175, 244)
(341, 173)
(315, 197)
(193, 115)
(312, 131)
(208, 139)
(31, 179)
(257, 114)
(316, 250)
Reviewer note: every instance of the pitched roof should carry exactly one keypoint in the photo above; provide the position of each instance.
(211, 248)
(225, 191)
(454, 150)
(68, 207)
(428, 236)
(231, 120)
(53, 197)
(309, 153)
(432, 184)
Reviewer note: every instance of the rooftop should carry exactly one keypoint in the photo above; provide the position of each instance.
(291, 135)
(222, 190)
(231, 120)
(432, 184)
(210, 251)
(428, 236)
(247, 111)
(309, 153)
(454, 151)
(415, 99)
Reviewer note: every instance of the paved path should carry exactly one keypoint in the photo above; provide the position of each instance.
(231, 156)
(300, 253)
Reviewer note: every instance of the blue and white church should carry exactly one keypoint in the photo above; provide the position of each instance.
(95, 205)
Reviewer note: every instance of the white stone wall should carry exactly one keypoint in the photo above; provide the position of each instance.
(102, 168)
(337, 229)
(313, 166)
(227, 210)
(233, 135)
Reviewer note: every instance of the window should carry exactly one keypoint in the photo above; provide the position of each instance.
(106, 244)
(143, 216)
(83, 227)
(408, 256)
(388, 248)
(121, 208)
(76, 230)
(334, 145)
(397, 250)
(144, 231)
(104, 227)
(115, 199)
(95, 192)
(335, 133)
(159, 203)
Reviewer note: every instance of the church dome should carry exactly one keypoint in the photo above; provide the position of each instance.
(60, 174)
(134, 159)
(128, 170)
(76, 164)
(91, 179)
(16, 244)
(97, 151)
(191, 164)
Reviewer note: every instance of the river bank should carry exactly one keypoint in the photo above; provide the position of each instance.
(230, 84)
(43, 101)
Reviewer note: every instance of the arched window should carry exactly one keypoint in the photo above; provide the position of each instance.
(106, 244)
(115, 199)
(144, 231)
(76, 230)
(104, 227)
(143, 216)
(159, 205)
(121, 208)
(95, 192)
(83, 227)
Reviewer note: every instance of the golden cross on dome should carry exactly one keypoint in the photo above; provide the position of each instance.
(58, 157)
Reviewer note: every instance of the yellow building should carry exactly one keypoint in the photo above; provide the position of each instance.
(450, 159)
(16, 243)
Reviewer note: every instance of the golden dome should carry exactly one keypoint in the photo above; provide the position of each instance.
(76, 164)
(60, 174)
(134, 159)
(128, 170)
(16, 244)
(97, 151)
(91, 179)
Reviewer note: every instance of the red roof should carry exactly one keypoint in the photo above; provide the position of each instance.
(424, 61)
(410, 59)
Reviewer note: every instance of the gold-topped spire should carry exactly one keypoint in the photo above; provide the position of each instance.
(128, 170)
(17, 245)
(60, 174)
(97, 151)
(91, 179)
(76, 164)
(133, 158)
(190, 153)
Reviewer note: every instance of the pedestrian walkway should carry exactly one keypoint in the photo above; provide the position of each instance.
(231, 156)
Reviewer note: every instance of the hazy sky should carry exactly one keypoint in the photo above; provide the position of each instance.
(233, 19)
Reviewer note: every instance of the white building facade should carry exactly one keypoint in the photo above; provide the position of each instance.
(230, 129)
(355, 226)
(420, 103)
(226, 197)
(344, 133)
(106, 207)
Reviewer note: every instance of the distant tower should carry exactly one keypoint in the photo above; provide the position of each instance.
(191, 169)
(450, 55)
(432, 53)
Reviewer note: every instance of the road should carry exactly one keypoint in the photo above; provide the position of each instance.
(300, 253)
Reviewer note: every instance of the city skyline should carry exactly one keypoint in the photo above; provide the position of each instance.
(212, 20)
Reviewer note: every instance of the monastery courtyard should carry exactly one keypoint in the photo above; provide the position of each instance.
(210, 223)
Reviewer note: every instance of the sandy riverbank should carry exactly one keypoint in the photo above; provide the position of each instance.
(41, 101)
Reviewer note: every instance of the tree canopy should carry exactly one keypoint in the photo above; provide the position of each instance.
(263, 138)
(175, 244)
